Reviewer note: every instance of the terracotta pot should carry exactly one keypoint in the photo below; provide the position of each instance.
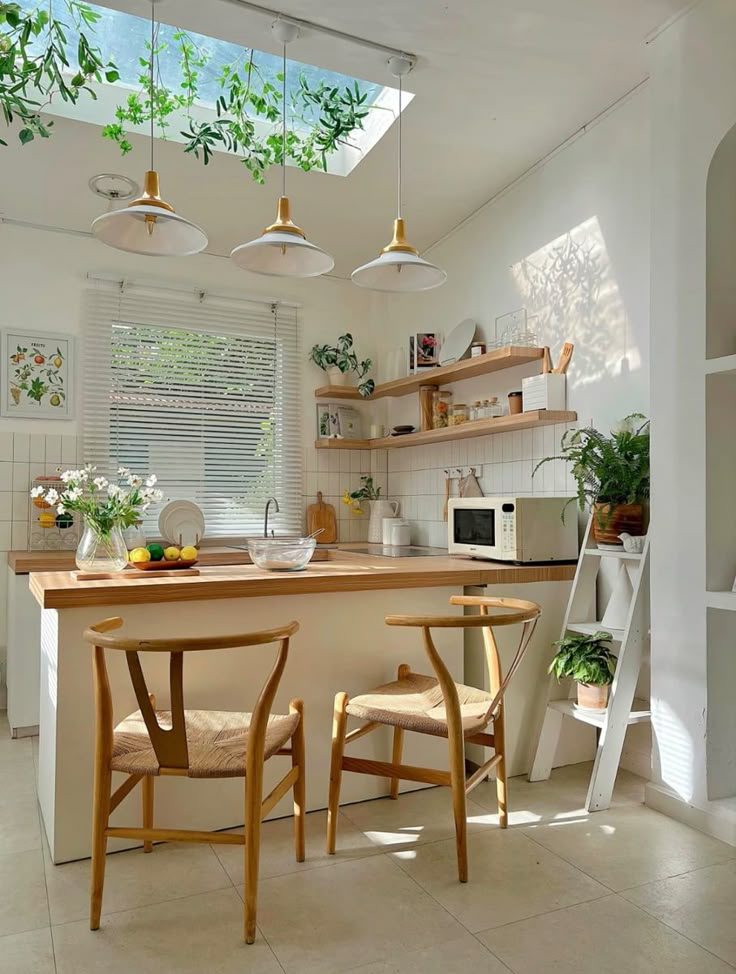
(625, 517)
(592, 697)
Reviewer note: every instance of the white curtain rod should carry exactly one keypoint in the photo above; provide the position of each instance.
(115, 281)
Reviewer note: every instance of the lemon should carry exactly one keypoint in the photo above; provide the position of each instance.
(171, 554)
(47, 519)
(140, 554)
(189, 553)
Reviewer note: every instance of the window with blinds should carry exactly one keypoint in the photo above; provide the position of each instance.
(205, 394)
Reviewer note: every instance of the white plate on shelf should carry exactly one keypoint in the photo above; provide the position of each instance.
(458, 342)
(182, 523)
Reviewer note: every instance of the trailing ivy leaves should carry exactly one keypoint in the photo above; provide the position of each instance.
(35, 65)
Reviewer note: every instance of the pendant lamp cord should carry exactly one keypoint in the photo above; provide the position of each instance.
(399, 181)
(150, 91)
(283, 125)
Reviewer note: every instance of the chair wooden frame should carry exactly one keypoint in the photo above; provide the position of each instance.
(170, 748)
(512, 612)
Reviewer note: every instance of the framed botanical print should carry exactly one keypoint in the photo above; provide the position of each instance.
(424, 351)
(37, 380)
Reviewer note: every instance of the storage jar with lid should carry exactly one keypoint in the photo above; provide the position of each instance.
(441, 399)
(493, 408)
(458, 414)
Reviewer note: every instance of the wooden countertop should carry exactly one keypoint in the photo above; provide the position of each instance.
(343, 571)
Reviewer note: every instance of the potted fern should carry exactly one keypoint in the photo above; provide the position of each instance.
(338, 361)
(587, 659)
(612, 475)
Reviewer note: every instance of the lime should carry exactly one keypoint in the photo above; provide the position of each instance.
(156, 552)
(171, 554)
(64, 521)
(140, 555)
(189, 553)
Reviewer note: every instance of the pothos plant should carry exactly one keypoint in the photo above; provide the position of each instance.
(35, 59)
(585, 658)
(343, 357)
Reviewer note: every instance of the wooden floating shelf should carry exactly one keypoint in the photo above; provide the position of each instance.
(469, 368)
(479, 427)
(725, 365)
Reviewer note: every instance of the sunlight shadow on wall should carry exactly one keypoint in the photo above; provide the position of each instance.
(568, 284)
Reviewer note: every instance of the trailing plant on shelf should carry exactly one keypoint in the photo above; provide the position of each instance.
(587, 659)
(339, 360)
(611, 473)
(37, 58)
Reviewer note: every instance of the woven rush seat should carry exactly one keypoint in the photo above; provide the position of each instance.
(415, 703)
(216, 742)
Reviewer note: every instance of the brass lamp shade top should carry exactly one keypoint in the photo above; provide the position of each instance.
(284, 222)
(151, 195)
(399, 241)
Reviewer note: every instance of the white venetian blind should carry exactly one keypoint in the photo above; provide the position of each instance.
(203, 393)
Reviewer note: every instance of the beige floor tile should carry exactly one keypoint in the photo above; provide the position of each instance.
(277, 847)
(415, 817)
(134, 879)
(27, 953)
(511, 878)
(196, 935)
(607, 936)
(23, 904)
(20, 826)
(454, 957)
(363, 911)
(559, 798)
(625, 847)
(699, 905)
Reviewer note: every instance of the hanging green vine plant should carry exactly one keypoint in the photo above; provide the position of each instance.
(322, 116)
(36, 66)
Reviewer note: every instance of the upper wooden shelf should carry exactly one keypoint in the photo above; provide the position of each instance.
(479, 427)
(469, 368)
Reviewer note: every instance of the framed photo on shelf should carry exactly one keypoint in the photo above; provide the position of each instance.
(328, 421)
(349, 423)
(424, 351)
(37, 377)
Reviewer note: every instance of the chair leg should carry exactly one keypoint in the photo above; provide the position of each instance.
(252, 849)
(300, 797)
(100, 818)
(404, 671)
(147, 786)
(499, 736)
(459, 808)
(339, 724)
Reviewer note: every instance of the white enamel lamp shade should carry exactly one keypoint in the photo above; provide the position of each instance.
(399, 268)
(282, 250)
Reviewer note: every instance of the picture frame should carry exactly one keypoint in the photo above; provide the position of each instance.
(424, 351)
(36, 374)
(328, 421)
(349, 422)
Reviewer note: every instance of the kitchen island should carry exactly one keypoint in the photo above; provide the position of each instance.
(343, 644)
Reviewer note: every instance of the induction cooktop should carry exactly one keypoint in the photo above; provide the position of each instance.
(388, 551)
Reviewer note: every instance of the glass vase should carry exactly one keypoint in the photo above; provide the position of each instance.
(101, 551)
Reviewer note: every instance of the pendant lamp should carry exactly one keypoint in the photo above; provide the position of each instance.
(399, 266)
(148, 225)
(283, 250)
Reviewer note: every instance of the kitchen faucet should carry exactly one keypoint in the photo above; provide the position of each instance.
(269, 502)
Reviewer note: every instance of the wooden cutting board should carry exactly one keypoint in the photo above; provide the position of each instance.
(321, 515)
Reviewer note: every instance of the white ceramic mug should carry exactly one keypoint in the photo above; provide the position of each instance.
(387, 530)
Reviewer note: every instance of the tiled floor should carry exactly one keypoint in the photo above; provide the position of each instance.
(560, 891)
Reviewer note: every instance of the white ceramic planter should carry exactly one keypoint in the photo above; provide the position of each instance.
(336, 377)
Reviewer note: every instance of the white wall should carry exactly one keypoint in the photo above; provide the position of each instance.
(570, 242)
(44, 275)
(693, 107)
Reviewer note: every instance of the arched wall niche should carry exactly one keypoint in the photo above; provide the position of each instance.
(721, 249)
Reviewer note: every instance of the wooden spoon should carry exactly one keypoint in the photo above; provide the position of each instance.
(562, 365)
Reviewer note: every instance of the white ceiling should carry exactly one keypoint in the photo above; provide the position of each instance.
(498, 83)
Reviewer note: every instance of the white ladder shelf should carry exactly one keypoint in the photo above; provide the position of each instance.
(623, 709)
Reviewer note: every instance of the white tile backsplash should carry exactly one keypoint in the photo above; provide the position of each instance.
(503, 462)
(21, 446)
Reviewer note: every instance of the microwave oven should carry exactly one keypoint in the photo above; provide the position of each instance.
(518, 529)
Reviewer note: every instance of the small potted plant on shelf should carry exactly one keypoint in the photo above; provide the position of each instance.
(612, 475)
(338, 361)
(588, 660)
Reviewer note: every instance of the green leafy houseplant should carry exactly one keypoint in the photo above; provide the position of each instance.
(586, 659)
(343, 358)
(610, 471)
(39, 62)
(366, 492)
(36, 64)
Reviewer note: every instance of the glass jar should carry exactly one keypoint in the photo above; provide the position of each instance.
(441, 399)
(493, 408)
(476, 411)
(101, 550)
(477, 348)
(458, 414)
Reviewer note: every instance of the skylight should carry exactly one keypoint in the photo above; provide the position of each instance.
(123, 38)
